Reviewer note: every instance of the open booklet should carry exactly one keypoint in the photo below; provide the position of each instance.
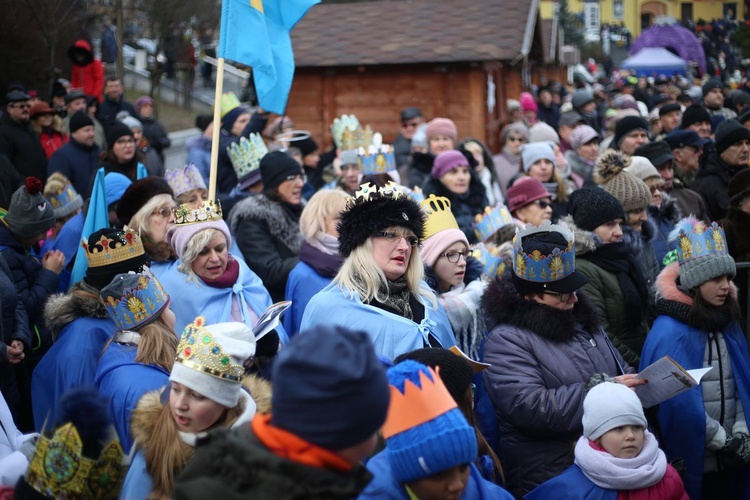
(666, 379)
(270, 318)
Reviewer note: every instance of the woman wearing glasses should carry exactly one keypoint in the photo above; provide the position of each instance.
(453, 275)
(545, 346)
(266, 225)
(529, 202)
(122, 154)
(507, 162)
(379, 288)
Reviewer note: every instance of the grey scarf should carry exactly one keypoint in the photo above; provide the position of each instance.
(397, 296)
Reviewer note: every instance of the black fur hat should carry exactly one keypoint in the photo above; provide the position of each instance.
(373, 209)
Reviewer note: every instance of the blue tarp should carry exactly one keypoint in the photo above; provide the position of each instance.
(654, 62)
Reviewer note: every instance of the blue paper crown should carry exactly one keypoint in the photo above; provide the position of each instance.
(376, 160)
(61, 201)
(493, 262)
(540, 268)
(487, 223)
(133, 300)
(695, 240)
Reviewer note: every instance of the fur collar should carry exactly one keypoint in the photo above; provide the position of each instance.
(667, 289)
(280, 224)
(504, 306)
(634, 240)
(585, 241)
(82, 301)
(668, 210)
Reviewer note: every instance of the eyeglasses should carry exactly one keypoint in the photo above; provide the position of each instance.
(293, 178)
(411, 124)
(517, 139)
(165, 212)
(392, 237)
(563, 297)
(125, 142)
(23, 105)
(454, 257)
(542, 204)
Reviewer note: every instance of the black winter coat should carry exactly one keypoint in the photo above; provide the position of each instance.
(156, 135)
(108, 109)
(21, 145)
(14, 325)
(464, 207)
(76, 162)
(712, 183)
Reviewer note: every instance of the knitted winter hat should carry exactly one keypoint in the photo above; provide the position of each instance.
(701, 252)
(329, 388)
(626, 126)
(591, 207)
(134, 300)
(211, 360)
(79, 120)
(582, 135)
(184, 179)
(524, 191)
(447, 161)
(117, 130)
(306, 145)
(455, 372)
(63, 197)
(440, 229)
(535, 151)
(138, 194)
(441, 126)
(693, 114)
(541, 132)
(115, 185)
(713, 83)
(275, 167)
(141, 101)
(132, 122)
(227, 121)
(29, 214)
(374, 209)
(739, 187)
(610, 174)
(581, 98)
(425, 432)
(728, 133)
(528, 103)
(110, 252)
(179, 235)
(348, 157)
(517, 128)
(609, 405)
(642, 168)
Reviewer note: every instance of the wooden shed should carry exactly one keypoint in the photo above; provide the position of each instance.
(455, 58)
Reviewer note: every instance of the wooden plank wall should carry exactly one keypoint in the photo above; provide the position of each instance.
(377, 94)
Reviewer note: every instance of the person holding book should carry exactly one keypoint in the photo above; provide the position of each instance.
(697, 326)
(617, 456)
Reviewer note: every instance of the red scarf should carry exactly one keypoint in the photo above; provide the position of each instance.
(286, 445)
(228, 279)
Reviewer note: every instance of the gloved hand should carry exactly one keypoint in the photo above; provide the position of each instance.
(736, 450)
(268, 345)
(28, 448)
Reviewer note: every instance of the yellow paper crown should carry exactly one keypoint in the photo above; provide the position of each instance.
(209, 211)
(107, 251)
(198, 350)
(439, 215)
(348, 133)
(60, 470)
(417, 406)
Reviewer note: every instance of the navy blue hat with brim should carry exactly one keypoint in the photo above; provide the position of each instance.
(657, 152)
(16, 96)
(679, 138)
(669, 108)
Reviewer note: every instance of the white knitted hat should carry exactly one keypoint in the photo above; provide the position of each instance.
(609, 405)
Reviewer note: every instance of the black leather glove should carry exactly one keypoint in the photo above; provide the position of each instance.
(268, 345)
(736, 450)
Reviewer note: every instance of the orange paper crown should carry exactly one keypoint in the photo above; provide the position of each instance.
(416, 406)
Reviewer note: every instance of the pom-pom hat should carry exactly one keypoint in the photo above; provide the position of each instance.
(29, 214)
(373, 209)
(701, 252)
(610, 174)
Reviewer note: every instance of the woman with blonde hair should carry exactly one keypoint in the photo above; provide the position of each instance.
(200, 397)
(66, 235)
(319, 257)
(141, 353)
(379, 288)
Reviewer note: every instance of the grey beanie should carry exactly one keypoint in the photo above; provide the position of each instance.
(701, 252)
(695, 272)
(609, 405)
(535, 151)
(29, 214)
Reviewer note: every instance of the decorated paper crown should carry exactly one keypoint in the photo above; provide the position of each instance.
(368, 192)
(198, 350)
(377, 158)
(108, 251)
(229, 101)
(184, 179)
(246, 154)
(439, 215)
(68, 196)
(209, 211)
(349, 134)
(417, 404)
(137, 303)
(539, 268)
(695, 240)
(60, 470)
(493, 218)
(493, 262)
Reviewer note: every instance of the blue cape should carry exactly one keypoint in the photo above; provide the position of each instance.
(391, 334)
(303, 283)
(571, 485)
(682, 418)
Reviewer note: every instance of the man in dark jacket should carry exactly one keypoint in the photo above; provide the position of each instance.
(114, 102)
(18, 141)
(79, 158)
(548, 111)
(730, 156)
(411, 118)
(330, 397)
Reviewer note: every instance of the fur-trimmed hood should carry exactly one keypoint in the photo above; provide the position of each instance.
(635, 240)
(668, 210)
(82, 301)
(666, 286)
(280, 223)
(504, 306)
(585, 241)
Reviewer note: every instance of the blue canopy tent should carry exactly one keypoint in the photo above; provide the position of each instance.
(655, 61)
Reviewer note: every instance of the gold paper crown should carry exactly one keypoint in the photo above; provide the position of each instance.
(349, 134)
(108, 251)
(60, 470)
(368, 192)
(198, 350)
(209, 211)
(416, 405)
(439, 215)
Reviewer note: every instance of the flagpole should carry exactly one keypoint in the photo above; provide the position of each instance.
(216, 129)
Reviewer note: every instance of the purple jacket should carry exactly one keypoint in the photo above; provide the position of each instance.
(541, 359)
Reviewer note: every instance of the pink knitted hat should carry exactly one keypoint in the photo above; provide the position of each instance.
(180, 236)
(436, 244)
(441, 126)
(528, 103)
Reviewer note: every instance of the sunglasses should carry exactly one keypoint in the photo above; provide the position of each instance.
(164, 212)
(543, 204)
(563, 297)
(392, 237)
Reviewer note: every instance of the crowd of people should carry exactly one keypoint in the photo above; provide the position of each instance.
(456, 324)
